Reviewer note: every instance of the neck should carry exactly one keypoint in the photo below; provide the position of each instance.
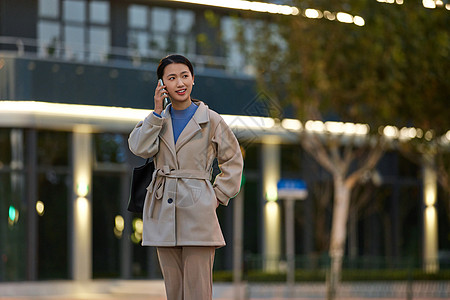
(181, 105)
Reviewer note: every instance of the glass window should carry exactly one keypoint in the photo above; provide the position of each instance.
(74, 38)
(53, 231)
(5, 150)
(99, 43)
(185, 21)
(110, 147)
(137, 16)
(161, 19)
(48, 35)
(13, 230)
(12, 205)
(74, 11)
(53, 148)
(99, 12)
(49, 8)
(159, 42)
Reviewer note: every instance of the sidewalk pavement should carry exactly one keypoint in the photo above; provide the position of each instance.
(154, 290)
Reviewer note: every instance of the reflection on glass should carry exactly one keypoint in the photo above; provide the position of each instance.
(110, 147)
(48, 8)
(137, 16)
(74, 11)
(99, 12)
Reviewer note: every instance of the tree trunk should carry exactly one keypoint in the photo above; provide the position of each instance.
(338, 234)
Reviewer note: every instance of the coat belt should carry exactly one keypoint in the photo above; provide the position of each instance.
(159, 179)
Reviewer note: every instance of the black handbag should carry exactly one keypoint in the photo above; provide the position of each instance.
(141, 178)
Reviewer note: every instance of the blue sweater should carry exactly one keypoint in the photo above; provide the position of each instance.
(180, 118)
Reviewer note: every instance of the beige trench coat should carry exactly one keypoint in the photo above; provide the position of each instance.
(180, 205)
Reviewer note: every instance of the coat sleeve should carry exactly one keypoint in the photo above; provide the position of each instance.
(143, 140)
(228, 183)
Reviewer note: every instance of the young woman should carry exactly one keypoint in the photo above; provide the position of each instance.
(180, 207)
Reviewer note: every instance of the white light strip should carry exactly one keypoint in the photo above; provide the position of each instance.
(248, 5)
(73, 110)
(340, 16)
(86, 113)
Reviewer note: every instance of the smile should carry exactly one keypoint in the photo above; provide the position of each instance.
(181, 92)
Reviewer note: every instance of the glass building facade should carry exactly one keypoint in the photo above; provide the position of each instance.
(78, 60)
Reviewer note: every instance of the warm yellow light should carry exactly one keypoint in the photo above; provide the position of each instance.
(82, 189)
(291, 124)
(119, 223)
(271, 194)
(40, 208)
(447, 135)
(430, 196)
(359, 21)
(272, 216)
(138, 225)
(82, 207)
(390, 131)
(312, 13)
(399, 2)
(344, 17)
(317, 126)
(447, 6)
(329, 15)
(248, 5)
(334, 127)
(429, 3)
(362, 129)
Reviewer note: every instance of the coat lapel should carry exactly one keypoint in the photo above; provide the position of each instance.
(166, 134)
(193, 126)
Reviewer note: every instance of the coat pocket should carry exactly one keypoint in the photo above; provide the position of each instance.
(189, 193)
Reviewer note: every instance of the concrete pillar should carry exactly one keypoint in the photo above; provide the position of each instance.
(430, 241)
(272, 214)
(82, 205)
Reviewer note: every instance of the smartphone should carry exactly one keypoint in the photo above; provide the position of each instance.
(166, 100)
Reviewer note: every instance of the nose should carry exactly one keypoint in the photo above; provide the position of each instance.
(180, 82)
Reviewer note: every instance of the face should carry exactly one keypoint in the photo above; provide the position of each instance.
(178, 81)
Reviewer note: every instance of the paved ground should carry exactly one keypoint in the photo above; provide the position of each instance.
(154, 290)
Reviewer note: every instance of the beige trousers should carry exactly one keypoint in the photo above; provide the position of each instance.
(187, 272)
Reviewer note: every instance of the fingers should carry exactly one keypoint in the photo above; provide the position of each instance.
(160, 94)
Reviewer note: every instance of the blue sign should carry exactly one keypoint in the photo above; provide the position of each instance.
(292, 189)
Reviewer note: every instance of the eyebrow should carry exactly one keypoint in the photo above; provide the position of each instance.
(173, 74)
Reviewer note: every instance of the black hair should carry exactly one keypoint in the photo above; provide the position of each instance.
(173, 59)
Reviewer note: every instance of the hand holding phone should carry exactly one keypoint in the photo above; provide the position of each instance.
(166, 99)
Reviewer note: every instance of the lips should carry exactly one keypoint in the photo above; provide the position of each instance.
(181, 92)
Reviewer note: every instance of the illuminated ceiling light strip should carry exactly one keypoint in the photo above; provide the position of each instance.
(73, 110)
(344, 17)
(340, 16)
(248, 5)
(429, 3)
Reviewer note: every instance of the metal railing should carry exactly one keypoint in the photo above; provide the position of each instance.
(58, 50)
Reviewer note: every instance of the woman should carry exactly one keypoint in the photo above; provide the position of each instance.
(180, 206)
